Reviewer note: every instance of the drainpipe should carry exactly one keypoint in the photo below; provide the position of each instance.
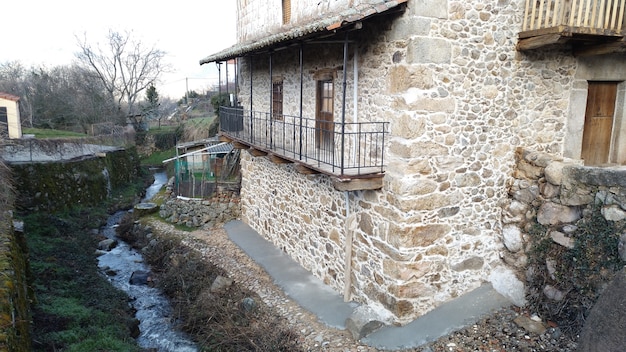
(347, 274)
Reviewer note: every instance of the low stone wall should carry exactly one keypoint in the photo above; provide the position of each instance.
(15, 297)
(551, 194)
(206, 213)
(87, 181)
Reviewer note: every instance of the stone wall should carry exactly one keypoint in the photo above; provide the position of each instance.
(556, 193)
(15, 296)
(86, 181)
(259, 18)
(207, 213)
(460, 99)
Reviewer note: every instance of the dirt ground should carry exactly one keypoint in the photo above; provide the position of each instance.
(497, 332)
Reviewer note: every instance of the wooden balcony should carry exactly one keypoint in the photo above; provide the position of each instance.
(352, 154)
(586, 23)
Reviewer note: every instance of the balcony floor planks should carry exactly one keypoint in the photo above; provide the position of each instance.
(535, 39)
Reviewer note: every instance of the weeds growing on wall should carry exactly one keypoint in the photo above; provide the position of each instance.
(580, 274)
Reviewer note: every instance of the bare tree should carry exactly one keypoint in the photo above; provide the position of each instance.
(125, 68)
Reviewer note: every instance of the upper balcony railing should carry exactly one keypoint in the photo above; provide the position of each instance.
(343, 150)
(595, 17)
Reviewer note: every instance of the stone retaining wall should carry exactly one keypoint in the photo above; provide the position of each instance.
(555, 193)
(86, 181)
(206, 213)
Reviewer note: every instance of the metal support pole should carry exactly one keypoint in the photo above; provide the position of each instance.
(301, 95)
(219, 77)
(271, 114)
(343, 103)
(251, 121)
(227, 92)
(236, 82)
(219, 89)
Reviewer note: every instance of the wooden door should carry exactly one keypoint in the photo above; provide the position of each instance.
(598, 122)
(324, 125)
(277, 100)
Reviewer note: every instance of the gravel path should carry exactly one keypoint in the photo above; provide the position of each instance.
(497, 332)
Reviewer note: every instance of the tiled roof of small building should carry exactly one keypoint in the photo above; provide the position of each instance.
(327, 24)
(8, 96)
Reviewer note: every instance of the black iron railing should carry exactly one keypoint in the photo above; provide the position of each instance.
(350, 149)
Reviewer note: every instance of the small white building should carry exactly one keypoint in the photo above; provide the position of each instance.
(10, 122)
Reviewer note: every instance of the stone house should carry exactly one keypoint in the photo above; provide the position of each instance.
(10, 122)
(382, 134)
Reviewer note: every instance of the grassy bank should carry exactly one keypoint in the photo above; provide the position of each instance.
(76, 308)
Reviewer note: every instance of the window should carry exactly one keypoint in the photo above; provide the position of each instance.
(4, 122)
(277, 100)
(286, 11)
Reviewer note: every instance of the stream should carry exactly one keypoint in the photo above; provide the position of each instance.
(153, 308)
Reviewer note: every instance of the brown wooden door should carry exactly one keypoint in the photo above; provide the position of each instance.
(324, 126)
(277, 100)
(598, 122)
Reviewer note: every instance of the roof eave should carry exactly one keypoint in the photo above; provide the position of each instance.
(303, 33)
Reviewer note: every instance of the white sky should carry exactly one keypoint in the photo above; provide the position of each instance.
(43, 32)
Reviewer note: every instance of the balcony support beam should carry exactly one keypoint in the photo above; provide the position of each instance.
(278, 160)
(238, 145)
(305, 170)
(538, 42)
(357, 184)
(256, 152)
(601, 49)
(223, 138)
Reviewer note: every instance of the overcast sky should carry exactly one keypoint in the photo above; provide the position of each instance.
(43, 32)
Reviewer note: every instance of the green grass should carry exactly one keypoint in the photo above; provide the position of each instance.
(162, 129)
(200, 121)
(77, 308)
(156, 158)
(42, 133)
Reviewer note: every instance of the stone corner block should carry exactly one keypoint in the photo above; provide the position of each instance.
(430, 8)
(506, 283)
(366, 319)
(424, 50)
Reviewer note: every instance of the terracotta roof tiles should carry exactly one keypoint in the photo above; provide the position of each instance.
(9, 96)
